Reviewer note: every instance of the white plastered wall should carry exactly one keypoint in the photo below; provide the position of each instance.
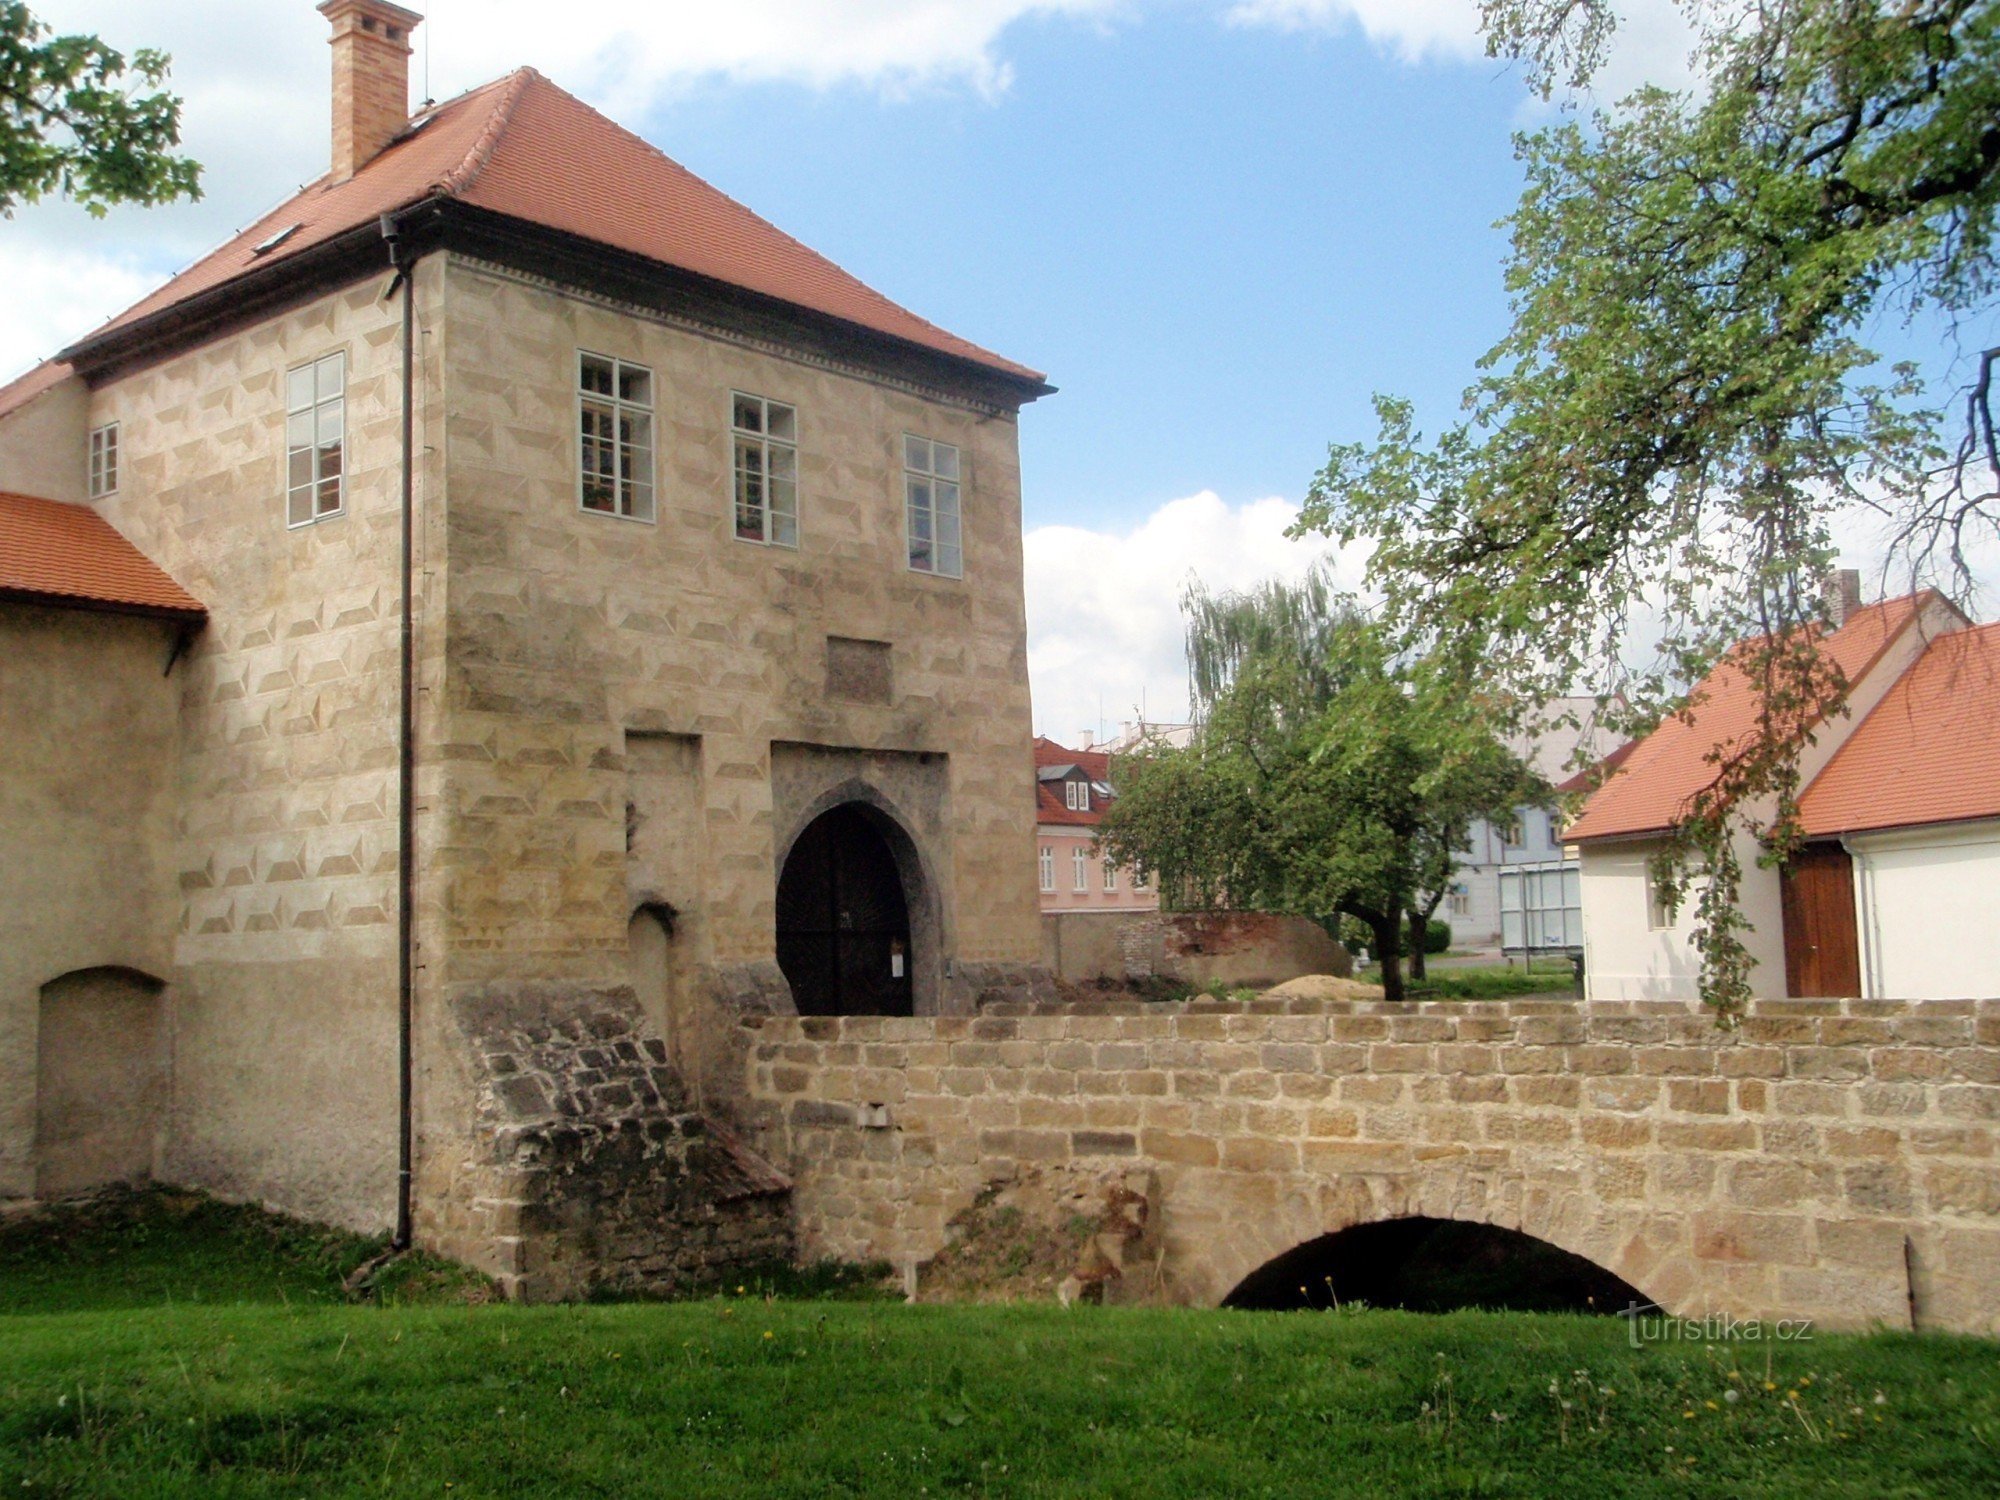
(1925, 900)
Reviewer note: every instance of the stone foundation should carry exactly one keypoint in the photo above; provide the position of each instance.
(589, 1169)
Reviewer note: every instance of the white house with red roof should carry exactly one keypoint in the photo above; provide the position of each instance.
(1072, 792)
(1891, 895)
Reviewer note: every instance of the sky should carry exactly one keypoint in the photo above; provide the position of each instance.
(1220, 226)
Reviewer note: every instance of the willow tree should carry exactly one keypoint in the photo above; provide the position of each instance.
(1689, 397)
(1324, 773)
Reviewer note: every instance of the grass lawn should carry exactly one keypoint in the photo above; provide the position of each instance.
(251, 1386)
(1543, 976)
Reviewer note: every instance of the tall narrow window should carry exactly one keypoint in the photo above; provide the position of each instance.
(1048, 868)
(767, 470)
(614, 437)
(1080, 867)
(1110, 876)
(104, 461)
(315, 440)
(930, 493)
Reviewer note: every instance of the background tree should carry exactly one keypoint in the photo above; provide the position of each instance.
(80, 120)
(1687, 397)
(1324, 774)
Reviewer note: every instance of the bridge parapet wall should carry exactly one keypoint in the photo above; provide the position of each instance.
(1835, 1160)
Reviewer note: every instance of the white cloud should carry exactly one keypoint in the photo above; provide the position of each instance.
(54, 299)
(1104, 619)
(1652, 44)
(1412, 29)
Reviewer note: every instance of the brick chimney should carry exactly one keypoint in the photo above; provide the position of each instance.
(1843, 594)
(371, 78)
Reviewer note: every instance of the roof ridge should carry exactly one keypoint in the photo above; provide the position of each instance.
(459, 179)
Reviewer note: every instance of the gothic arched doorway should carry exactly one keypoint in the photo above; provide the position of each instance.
(844, 920)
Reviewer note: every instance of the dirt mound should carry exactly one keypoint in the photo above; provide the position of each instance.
(1324, 987)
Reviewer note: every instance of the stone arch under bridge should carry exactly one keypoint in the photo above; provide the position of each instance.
(1832, 1160)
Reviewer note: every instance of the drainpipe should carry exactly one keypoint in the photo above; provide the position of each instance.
(404, 264)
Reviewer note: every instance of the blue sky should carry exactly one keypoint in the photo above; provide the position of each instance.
(1220, 226)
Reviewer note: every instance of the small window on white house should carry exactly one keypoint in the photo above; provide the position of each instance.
(316, 440)
(930, 494)
(1080, 867)
(1048, 868)
(1511, 834)
(1661, 908)
(1110, 876)
(614, 437)
(767, 470)
(1459, 902)
(104, 461)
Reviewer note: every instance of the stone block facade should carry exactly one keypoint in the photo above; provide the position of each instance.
(1836, 1160)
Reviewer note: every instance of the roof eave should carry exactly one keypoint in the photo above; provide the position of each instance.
(249, 297)
(624, 275)
(48, 599)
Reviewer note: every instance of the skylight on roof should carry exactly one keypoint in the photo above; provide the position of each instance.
(265, 247)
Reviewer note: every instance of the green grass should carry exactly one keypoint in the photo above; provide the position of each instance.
(1545, 976)
(739, 1396)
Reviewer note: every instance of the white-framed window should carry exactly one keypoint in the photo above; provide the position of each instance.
(1110, 876)
(1076, 796)
(1459, 902)
(1661, 908)
(104, 461)
(930, 495)
(1079, 859)
(766, 440)
(614, 436)
(1048, 868)
(1511, 834)
(1142, 880)
(316, 440)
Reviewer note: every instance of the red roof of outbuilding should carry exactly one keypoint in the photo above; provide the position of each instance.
(524, 148)
(70, 555)
(1049, 805)
(1930, 751)
(1665, 770)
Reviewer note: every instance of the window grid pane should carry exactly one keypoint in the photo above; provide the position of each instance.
(614, 437)
(931, 503)
(766, 491)
(315, 440)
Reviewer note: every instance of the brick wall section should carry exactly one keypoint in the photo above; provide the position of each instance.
(1776, 1171)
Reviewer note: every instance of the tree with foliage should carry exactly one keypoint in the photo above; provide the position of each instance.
(80, 120)
(1326, 775)
(1688, 398)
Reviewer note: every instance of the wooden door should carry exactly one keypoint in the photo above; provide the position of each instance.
(843, 923)
(1822, 943)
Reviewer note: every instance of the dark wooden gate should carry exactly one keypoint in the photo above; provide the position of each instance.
(1822, 943)
(843, 922)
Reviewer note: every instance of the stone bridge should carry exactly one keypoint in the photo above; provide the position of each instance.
(1834, 1160)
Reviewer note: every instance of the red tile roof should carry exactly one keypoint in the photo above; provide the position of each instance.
(1661, 775)
(69, 555)
(1049, 805)
(524, 148)
(1930, 751)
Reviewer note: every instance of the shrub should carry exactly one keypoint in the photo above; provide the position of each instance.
(1437, 936)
